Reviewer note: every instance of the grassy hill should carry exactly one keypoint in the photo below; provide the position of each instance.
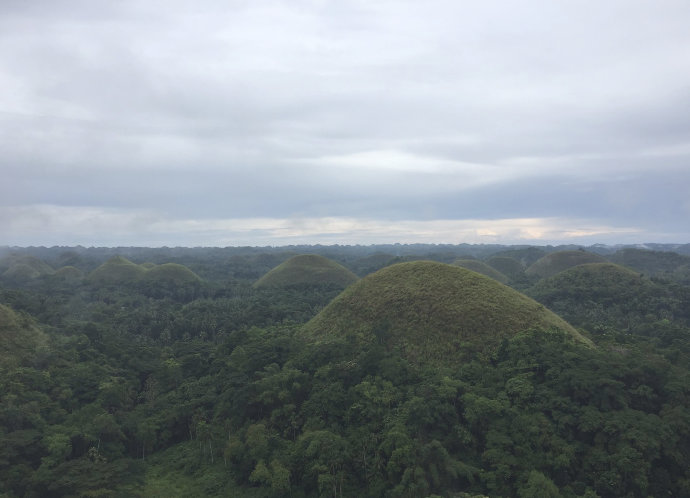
(121, 271)
(508, 266)
(655, 263)
(307, 269)
(525, 256)
(117, 270)
(369, 264)
(597, 295)
(69, 274)
(19, 337)
(557, 262)
(481, 267)
(170, 273)
(22, 267)
(431, 311)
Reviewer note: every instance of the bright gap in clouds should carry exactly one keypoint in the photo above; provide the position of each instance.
(56, 225)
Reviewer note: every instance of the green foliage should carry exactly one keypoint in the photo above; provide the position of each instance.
(117, 270)
(20, 338)
(307, 270)
(431, 311)
(668, 265)
(188, 388)
(557, 262)
(510, 267)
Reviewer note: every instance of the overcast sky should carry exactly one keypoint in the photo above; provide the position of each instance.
(137, 122)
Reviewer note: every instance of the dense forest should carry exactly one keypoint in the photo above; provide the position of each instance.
(396, 370)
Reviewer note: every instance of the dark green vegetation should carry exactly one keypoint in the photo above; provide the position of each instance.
(667, 265)
(307, 270)
(562, 260)
(165, 372)
(509, 267)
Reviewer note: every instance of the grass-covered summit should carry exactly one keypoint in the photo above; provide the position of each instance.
(481, 267)
(601, 295)
(508, 266)
(557, 262)
(19, 337)
(23, 267)
(117, 270)
(169, 273)
(307, 270)
(431, 310)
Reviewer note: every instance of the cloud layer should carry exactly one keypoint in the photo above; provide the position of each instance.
(167, 123)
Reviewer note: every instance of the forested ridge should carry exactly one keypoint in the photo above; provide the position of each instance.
(167, 372)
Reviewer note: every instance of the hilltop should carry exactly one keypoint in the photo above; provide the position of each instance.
(169, 273)
(508, 266)
(556, 262)
(597, 295)
(117, 270)
(307, 270)
(431, 310)
(481, 267)
(23, 267)
(667, 265)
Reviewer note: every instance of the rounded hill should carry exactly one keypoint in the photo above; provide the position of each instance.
(557, 262)
(22, 267)
(69, 274)
(592, 280)
(117, 270)
(510, 267)
(170, 273)
(19, 337)
(431, 311)
(481, 267)
(605, 294)
(307, 270)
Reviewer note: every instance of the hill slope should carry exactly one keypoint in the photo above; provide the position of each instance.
(22, 267)
(656, 263)
(510, 267)
(117, 270)
(562, 260)
(431, 310)
(19, 337)
(481, 267)
(169, 273)
(599, 295)
(307, 269)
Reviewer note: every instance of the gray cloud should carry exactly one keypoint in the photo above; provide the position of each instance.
(396, 111)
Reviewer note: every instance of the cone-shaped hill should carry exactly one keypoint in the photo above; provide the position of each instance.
(19, 337)
(431, 311)
(117, 270)
(21, 267)
(481, 267)
(598, 294)
(307, 270)
(557, 262)
(170, 273)
(510, 267)
(592, 279)
(69, 274)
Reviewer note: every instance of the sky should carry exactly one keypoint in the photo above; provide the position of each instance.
(232, 123)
